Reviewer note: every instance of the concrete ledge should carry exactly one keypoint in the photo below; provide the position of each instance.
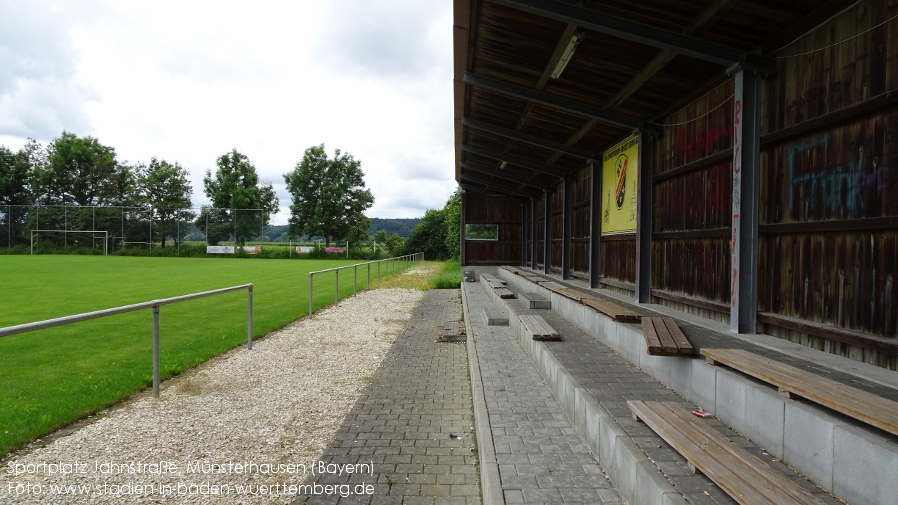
(490, 481)
(634, 476)
(536, 301)
(493, 318)
(840, 454)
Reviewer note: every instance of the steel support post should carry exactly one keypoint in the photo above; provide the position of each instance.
(566, 232)
(523, 234)
(249, 320)
(156, 365)
(311, 293)
(644, 203)
(547, 226)
(595, 224)
(534, 231)
(746, 197)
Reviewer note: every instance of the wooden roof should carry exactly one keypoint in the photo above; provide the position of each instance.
(519, 131)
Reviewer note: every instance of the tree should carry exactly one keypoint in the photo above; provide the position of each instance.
(14, 174)
(452, 211)
(329, 195)
(380, 241)
(239, 200)
(165, 189)
(358, 234)
(15, 193)
(429, 236)
(395, 245)
(79, 170)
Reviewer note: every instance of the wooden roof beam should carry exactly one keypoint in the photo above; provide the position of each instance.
(529, 165)
(564, 104)
(496, 173)
(527, 139)
(640, 33)
(497, 186)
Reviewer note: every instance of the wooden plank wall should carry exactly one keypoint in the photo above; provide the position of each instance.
(580, 224)
(828, 244)
(693, 191)
(483, 209)
(557, 227)
(829, 188)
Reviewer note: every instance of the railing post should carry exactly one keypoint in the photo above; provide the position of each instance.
(310, 293)
(336, 285)
(249, 320)
(156, 367)
(355, 278)
(369, 276)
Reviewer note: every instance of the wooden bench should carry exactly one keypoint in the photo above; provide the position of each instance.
(612, 310)
(797, 383)
(538, 328)
(664, 338)
(492, 279)
(745, 477)
(551, 285)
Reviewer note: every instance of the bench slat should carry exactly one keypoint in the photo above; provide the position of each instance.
(667, 341)
(861, 405)
(612, 310)
(683, 344)
(664, 338)
(746, 478)
(538, 327)
(490, 278)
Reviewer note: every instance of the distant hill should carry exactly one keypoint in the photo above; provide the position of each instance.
(403, 227)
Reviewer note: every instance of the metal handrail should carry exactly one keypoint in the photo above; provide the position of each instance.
(155, 305)
(411, 258)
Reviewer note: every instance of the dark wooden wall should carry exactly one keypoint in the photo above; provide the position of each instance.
(481, 208)
(693, 191)
(828, 224)
(580, 226)
(829, 187)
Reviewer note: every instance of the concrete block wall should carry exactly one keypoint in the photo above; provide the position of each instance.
(855, 462)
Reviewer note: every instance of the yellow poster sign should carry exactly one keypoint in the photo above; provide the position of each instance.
(620, 166)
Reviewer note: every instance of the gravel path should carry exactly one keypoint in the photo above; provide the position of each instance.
(255, 419)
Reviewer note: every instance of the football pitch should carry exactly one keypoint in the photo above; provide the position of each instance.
(52, 377)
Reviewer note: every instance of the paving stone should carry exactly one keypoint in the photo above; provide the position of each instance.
(414, 419)
(539, 455)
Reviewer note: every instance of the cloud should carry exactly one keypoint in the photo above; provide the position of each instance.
(393, 38)
(189, 81)
(39, 95)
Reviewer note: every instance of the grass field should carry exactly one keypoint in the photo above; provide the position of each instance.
(50, 378)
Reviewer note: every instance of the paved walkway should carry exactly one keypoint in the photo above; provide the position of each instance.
(452, 423)
(413, 425)
(540, 456)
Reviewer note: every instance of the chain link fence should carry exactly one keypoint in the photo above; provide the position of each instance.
(60, 228)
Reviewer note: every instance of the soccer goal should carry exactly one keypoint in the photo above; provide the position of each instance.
(94, 236)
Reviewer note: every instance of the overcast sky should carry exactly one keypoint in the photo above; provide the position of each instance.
(187, 81)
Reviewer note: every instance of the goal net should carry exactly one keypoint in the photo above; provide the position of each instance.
(91, 239)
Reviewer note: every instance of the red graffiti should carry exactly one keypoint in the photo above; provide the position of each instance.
(735, 233)
(702, 144)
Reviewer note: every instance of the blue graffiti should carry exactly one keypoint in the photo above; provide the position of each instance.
(838, 189)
